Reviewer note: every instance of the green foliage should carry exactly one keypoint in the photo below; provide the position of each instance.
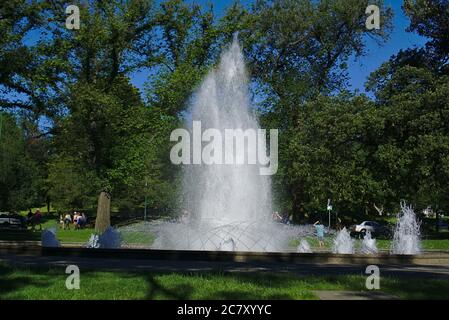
(70, 186)
(298, 49)
(334, 151)
(188, 48)
(19, 176)
(429, 18)
(415, 143)
(84, 128)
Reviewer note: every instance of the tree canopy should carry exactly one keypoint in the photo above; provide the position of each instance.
(75, 131)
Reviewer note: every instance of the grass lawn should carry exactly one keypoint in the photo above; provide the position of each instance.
(66, 236)
(425, 244)
(49, 283)
(381, 244)
(72, 235)
(138, 238)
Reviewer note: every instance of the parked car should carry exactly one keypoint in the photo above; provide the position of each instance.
(442, 225)
(12, 221)
(376, 229)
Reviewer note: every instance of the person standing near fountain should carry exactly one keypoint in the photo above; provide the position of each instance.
(319, 227)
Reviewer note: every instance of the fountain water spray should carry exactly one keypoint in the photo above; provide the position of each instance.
(110, 239)
(304, 247)
(368, 244)
(407, 233)
(228, 205)
(343, 243)
(49, 238)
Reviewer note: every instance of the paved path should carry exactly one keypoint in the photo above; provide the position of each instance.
(353, 295)
(200, 266)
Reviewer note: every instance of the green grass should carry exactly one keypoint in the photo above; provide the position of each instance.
(426, 244)
(381, 244)
(72, 235)
(142, 238)
(49, 283)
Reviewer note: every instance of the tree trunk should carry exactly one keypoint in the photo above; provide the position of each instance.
(103, 220)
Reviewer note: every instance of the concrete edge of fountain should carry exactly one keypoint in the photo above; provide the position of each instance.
(437, 258)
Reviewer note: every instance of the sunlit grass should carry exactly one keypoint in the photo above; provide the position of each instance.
(49, 283)
(381, 244)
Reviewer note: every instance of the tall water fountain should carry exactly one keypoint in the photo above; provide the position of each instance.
(226, 206)
(407, 233)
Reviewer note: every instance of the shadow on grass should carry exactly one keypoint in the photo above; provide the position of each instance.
(241, 286)
(156, 289)
(20, 235)
(10, 282)
(48, 283)
(429, 289)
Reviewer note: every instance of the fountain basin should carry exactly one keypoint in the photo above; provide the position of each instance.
(440, 258)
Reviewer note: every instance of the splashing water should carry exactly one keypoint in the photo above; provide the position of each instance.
(228, 245)
(110, 239)
(49, 238)
(228, 205)
(223, 194)
(304, 247)
(93, 242)
(368, 244)
(407, 233)
(343, 243)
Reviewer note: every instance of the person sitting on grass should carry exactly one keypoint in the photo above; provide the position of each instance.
(319, 227)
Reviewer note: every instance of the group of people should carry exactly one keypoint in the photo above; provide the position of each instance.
(78, 219)
(34, 219)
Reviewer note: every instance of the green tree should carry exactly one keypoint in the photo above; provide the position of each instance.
(429, 18)
(18, 171)
(298, 50)
(100, 131)
(335, 155)
(411, 93)
(414, 149)
(189, 47)
(29, 73)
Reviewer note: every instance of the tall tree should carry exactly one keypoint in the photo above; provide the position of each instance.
(103, 114)
(335, 155)
(411, 92)
(29, 74)
(429, 18)
(19, 171)
(298, 50)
